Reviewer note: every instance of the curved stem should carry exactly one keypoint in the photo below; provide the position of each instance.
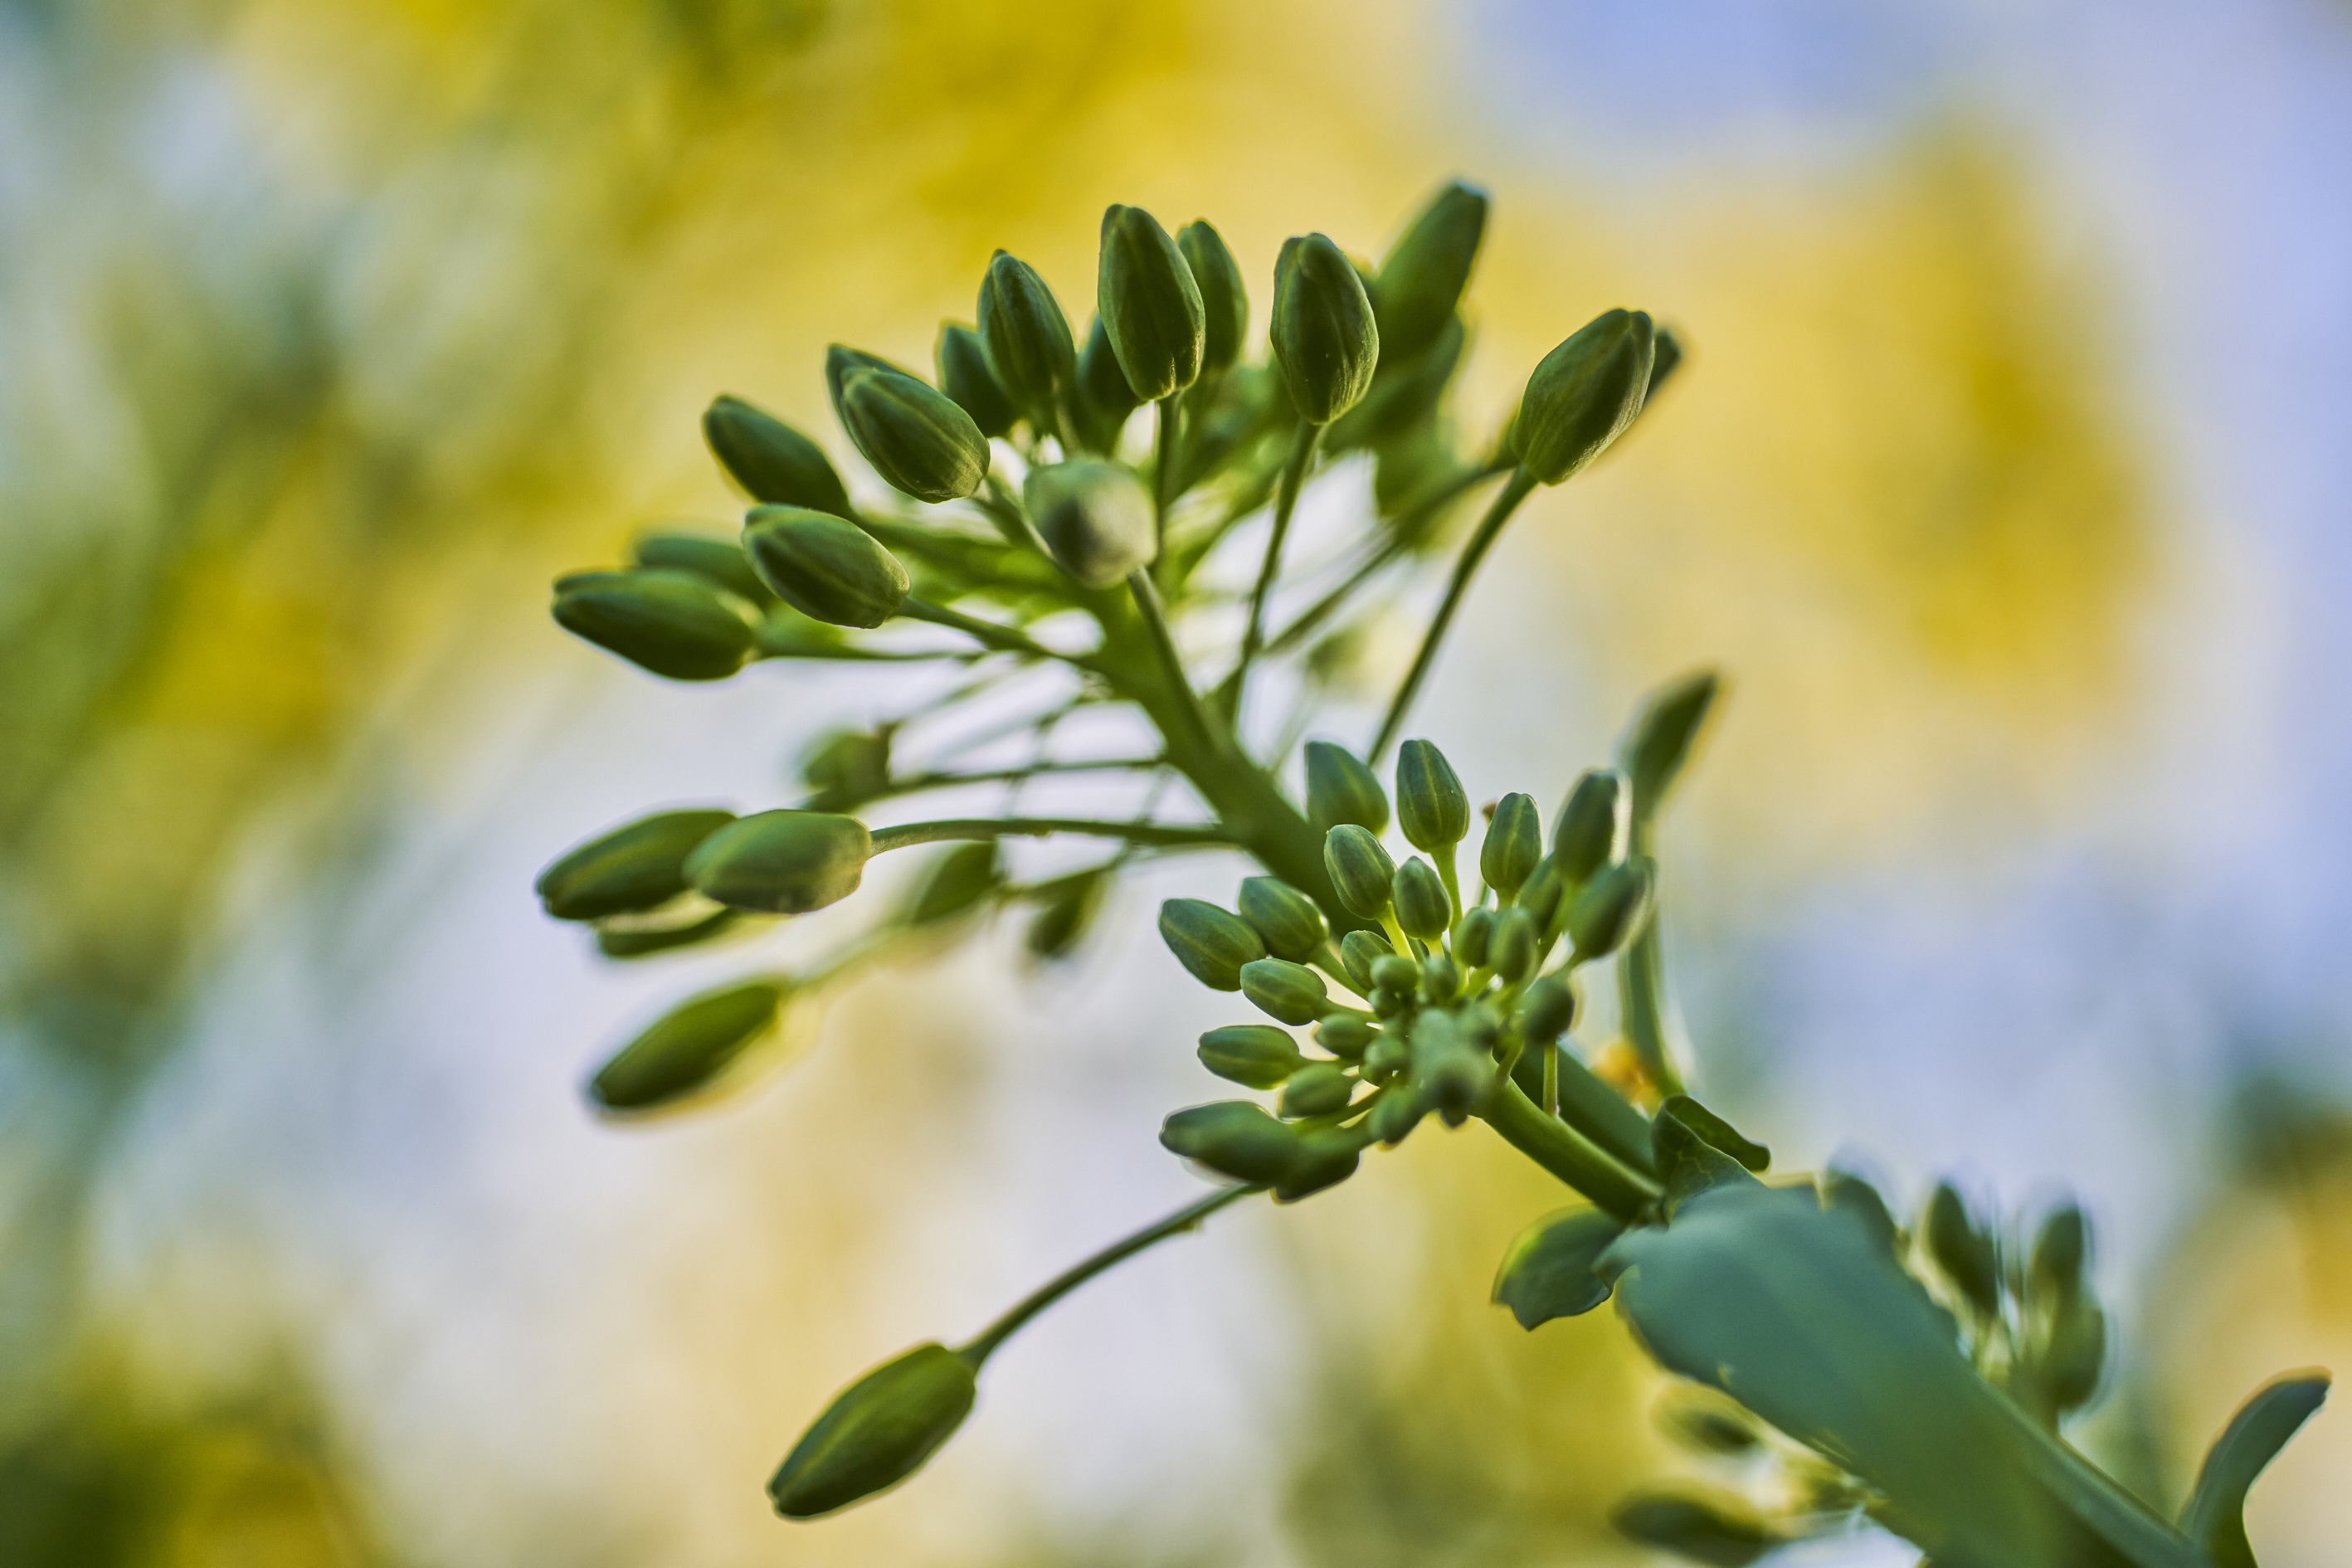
(912, 833)
(1489, 527)
(1286, 502)
(988, 634)
(1566, 1154)
(982, 1345)
(918, 784)
(1401, 537)
(1172, 663)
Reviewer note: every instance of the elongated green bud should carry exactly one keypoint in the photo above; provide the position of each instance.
(1360, 869)
(1666, 358)
(1663, 736)
(828, 569)
(782, 862)
(1325, 1159)
(1225, 299)
(1432, 806)
(1965, 1253)
(1513, 844)
(956, 882)
(1440, 977)
(1697, 1529)
(1211, 943)
(849, 765)
(1359, 950)
(965, 378)
(774, 462)
(719, 561)
(876, 1432)
(1584, 837)
(687, 1048)
(1150, 305)
(1610, 909)
(1105, 399)
(1290, 991)
(673, 624)
(1540, 894)
(1345, 1035)
(640, 865)
(1402, 398)
(1340, 788)
(917, 438)
(1287, 919)
(1450, 1073)
(2059, 1247)
(1027, 339)
(1394, 972)
(1326, 341)
(1422, 908)
(2074, 1352)
(1394, 1117)
(1258, 1055)
(644, 941)
(1511, 953)
(1422, 278)
(1233, 1137)
(1583, 395)
(1548, 1009)
(1064, 916)
(1096, 517)
(1474, 937)
(1318, 1090)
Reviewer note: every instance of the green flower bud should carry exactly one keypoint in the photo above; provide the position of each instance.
(1662, 739)
(1513, 844)
(1233, 1137)
(1325, 1160)
(1584, 838)
(1317, 1089)
(915, 437)
(1403, 398)
(1286, 918)
(2059, 1247)
(1095, 517)
(1440, 977)
(1583, 395)
(1450, 1074)
(1209, 941)
(782, 862)
(1395, 1116)
(687, 1048)
(1104, 400)
(1511, 953)
(719, 561)
(1387, 1003)
(1422, 279)
(1150, 303)
(828, 569)
(1258, 1055)
(1340, 788)
(671, 623)
(1027, 339)
(1548, 1009)
(1695, 1529)
(1290, 991)
(1345, 1035)
(850, 765)
(1326, 339)
(1472, 937)
(876, 1432)
(957, 881)
(969, 384)
(2074, 1352)
(1540, 894)
(1432, 806)
(1610, 909)
(1359, 950)
(1422, 908)
(637, 865)
(1224, 300)
(1360, 869)
(1965, 1253)
(644, 941)
(1064, 916)
(1394, 972)
(774, 462)
(1665, 355)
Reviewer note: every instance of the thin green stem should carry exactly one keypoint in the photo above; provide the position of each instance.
(918, 784)
(982, 1346)
(1567, 1155)
(1165, 423)
(1551, 1080)
(1286, 502)
(912, 833)
(1172, 663)
(1490, 527)
(988, 634)
(1401, 537)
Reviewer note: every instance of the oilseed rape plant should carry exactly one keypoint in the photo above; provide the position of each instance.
(1040, 520)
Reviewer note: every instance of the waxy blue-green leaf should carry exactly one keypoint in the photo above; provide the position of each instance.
(969, 383)
(1548, 1270)
(1719, 1133)
(875, 1433)
(1149, 304)
(639, 865)
(687, 1048)
(674, 624)
(1224, 298)
(1423, 277)
(782, 862)
(1095, 517)
(1584, 394)
(1800, 1313)
(1212, 943)
(774, 462)
(1326, 341)
(2215, 1515)
(828, 569)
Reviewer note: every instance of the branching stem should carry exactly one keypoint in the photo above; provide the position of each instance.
(1489, 528)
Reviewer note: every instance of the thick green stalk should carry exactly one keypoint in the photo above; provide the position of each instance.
(1489, 528)
(1567, 1153)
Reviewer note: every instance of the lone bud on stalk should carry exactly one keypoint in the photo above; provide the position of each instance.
(1256, 1055)
(1290, 991)
(1513, 844)
(1583, 395)
(1584, 838)
(1422, 278)
(1422, 906)
(1233, 1137)
(1610, 909)
(876, 1432)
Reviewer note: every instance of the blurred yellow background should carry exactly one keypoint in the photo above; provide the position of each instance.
(333, 331)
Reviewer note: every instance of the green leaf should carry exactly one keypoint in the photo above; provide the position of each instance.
(2215, 1516)
(1548, 1270)
(1799, 1313)
(1719, 1134)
